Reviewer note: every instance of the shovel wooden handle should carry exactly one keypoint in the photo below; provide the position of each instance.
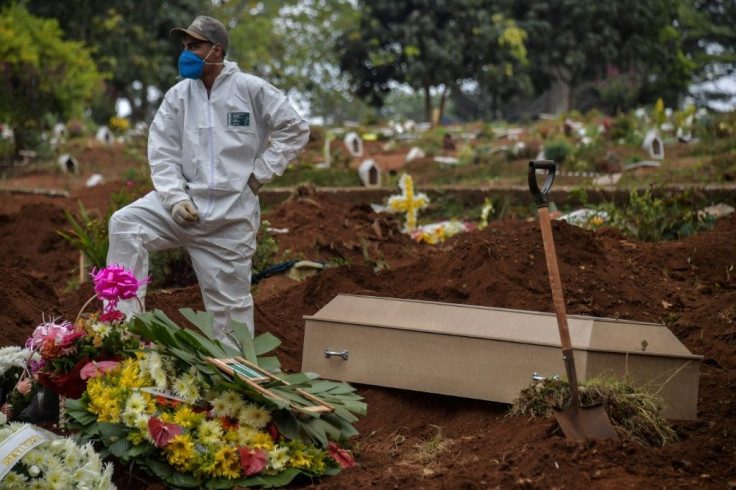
(554, 272)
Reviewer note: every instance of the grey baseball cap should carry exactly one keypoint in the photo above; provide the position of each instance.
(205, 29)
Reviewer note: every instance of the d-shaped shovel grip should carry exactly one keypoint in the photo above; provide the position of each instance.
(540, 196)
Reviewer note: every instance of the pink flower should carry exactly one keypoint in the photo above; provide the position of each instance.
(114, 283)
(49, 333)
(341, 455)
(24, 386)
(253, 460)
(94, 369)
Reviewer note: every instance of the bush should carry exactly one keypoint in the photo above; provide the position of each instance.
(557, 151)
(652, 219)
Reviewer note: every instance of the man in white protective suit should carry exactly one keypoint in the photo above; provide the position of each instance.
(218, 135)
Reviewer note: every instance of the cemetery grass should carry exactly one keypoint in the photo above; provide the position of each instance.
(419, 440)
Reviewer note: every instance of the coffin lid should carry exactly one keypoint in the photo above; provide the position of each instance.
(518, 326)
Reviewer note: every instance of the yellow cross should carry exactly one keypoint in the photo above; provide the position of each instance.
(407, 202)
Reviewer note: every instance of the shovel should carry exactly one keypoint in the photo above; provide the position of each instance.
(578, 423)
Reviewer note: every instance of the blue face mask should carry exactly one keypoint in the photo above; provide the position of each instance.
(191, 64)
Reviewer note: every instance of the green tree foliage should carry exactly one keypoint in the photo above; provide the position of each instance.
(130, 40)
(709, 40)
(432, 46)
(42, 74)
(292, 45)
(577, 41)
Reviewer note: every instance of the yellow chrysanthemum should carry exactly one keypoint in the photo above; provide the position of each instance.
(136, 437)
(227, 463)
(246, 434)
(106, 407)
(300, 460)
(261, 440)
(130, 375)
(210, 433)
(180, 451)
(186, 418)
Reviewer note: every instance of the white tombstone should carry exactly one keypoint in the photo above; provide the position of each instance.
(94, 179)
(369, 173)
(60, 130)
(410, 125)
(104, 135)
(415, 153)
(653, 144)
(447, 160)
(68, 164)
(354, 144)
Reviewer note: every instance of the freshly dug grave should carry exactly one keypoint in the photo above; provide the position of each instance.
(418, 440)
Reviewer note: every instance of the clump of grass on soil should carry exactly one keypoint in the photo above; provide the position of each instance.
(633, 412)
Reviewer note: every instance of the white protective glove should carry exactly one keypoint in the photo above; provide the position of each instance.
(184, 213)
(254, 184)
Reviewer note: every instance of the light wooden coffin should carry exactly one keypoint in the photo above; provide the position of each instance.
(489, 353)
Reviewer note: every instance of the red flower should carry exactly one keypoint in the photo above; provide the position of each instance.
(253, 461)
(341, 455)
(112, 316)
(273, 431)
(163, 401)
(161, 432)
(228, 423)
(70, 385)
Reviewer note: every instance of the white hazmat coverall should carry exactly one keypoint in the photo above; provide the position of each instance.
(205, 149)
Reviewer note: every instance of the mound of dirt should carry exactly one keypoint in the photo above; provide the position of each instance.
(418, 440)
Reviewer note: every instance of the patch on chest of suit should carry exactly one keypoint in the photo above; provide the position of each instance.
(238, 118)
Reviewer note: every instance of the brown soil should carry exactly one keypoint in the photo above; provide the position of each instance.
(686, 284)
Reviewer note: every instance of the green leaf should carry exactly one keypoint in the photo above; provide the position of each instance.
(266, 342)
(286, 423)
(249, 350)
(204, 321)
(240, 332)
(270, 364)
(269, 481)
(120, 448)
(295, 379)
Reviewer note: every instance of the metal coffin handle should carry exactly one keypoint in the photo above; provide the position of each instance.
(329, 353)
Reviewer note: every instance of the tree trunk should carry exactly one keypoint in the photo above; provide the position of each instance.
(443, 100)
(428, 104)
(562, 97)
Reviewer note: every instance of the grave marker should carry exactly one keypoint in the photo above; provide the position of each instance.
(370, 173)
(408, 203)
(653, 144)
(104, 135)
(354, 144)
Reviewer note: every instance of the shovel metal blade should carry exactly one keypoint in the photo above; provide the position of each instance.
(581, 423)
